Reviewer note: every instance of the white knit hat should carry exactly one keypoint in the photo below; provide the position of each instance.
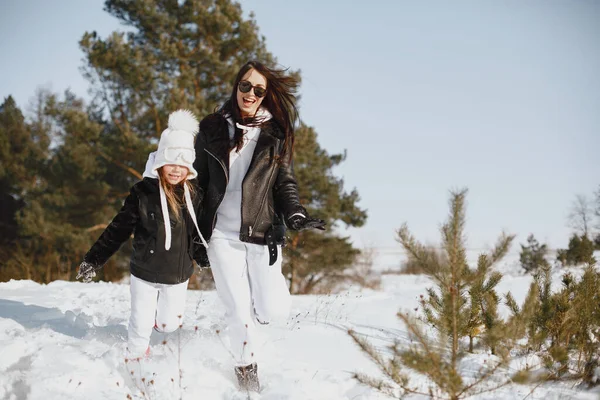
(176, 146)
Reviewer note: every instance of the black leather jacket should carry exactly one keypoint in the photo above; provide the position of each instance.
(269, 189)
(141, 215)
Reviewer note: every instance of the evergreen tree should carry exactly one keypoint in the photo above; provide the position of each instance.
(175, 55)
(520, 324)
(23, 151)
(549, 316)
(596, 207)
(86, 186)
(314, 260)
(462, 298)
(580, 251)
(484, 300)
(185, 55)
(67, 194)
(583, 322)
(562, 328)
(15, 148)
(533, 256)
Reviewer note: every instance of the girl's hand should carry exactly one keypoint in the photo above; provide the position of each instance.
(87, 272)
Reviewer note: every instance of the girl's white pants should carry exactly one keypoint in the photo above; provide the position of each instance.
(252, 291)
(153, 305)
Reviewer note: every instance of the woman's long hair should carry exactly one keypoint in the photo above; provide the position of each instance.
(174, 194)
(280, 101)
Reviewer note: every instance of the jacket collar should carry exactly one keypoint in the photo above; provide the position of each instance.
(217, 129)
(262, 116)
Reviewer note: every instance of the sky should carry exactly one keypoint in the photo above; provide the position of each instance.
(502, 98)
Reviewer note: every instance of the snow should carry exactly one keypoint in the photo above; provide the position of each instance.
(66, 340)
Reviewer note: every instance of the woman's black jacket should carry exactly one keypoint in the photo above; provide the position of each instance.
(269, 189)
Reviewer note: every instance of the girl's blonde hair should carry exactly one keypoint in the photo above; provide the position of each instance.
(175, 199)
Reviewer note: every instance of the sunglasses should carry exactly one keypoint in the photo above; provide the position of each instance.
(246, 86)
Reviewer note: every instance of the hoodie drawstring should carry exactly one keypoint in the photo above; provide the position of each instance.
(166, 218)
(190, 207)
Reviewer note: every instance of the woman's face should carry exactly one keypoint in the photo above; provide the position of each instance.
(175, 173)
(249, 102)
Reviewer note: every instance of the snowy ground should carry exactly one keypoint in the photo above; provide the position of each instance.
(65, 340)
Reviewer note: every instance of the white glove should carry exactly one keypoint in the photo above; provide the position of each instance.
(87, 272)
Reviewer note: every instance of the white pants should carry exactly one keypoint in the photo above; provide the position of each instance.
(153, 304)
(251, 290)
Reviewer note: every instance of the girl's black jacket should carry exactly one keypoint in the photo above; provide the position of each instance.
(141, 215)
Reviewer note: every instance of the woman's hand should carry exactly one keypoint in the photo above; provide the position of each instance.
(300, 222)
(201, 257)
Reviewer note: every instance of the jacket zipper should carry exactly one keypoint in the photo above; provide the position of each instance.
(262, 204)
(242, 202)
(226, 183)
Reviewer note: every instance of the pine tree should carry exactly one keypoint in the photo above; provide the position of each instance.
(554, 329)
(15, 145)
(544, 313)
(533, 256)
(580, 251)
(484, 300)
(521, 323)
(583, 321)
(185, 55)
(175, 55)
(314, 260)
(66, 193)
(563, 328)
(86, 187)
(23, 150)
(462, 298)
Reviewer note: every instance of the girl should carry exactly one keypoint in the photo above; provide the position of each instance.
(161, 213)
(243, 159)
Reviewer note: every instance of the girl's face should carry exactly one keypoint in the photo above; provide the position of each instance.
(249, 102)
(174, 173)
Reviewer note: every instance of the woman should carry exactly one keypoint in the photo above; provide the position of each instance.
(161, 213)
(244, 163)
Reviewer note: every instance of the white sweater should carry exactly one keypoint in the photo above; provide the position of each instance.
(229, 213)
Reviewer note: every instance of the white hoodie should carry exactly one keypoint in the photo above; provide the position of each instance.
(229, 213)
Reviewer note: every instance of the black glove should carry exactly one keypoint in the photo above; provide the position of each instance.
(201, 257)
(299, 223)
(87, 271)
